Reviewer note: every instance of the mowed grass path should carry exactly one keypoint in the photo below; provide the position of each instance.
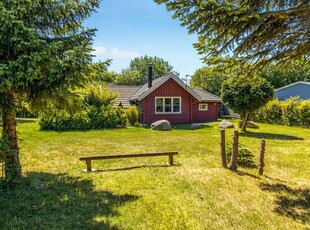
(144, 193)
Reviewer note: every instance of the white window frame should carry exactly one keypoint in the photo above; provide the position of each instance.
(204, 109)
(180, 106)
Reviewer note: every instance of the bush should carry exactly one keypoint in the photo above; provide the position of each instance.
(132, 114)
(98, 113)
(292, 112)
(304, 113)
(271, 113)
(64, 122)
(245, 157)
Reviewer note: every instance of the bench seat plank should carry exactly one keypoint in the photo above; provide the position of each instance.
(88, 159)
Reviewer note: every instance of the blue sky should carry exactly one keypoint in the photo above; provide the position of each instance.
(134, 28)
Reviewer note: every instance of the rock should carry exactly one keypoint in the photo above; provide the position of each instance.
(163, 125)
(252, 125)
(225, 124)
(196, 126)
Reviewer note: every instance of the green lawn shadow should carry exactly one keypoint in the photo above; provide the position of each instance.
(275, 136)
(292, 203)
(50, 201)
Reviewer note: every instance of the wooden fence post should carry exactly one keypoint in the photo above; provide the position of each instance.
(223, 148)
(261, 157)
(234, 155)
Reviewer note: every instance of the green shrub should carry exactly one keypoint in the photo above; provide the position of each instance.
(304, 113)
(292, 112)
(65, 121)
(245, 156)
(99, 97)
(271, 113)
(98, 113)
(132, 114)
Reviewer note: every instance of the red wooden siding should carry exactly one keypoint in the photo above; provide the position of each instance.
(189, 106)
(169, 89)
(203, 116)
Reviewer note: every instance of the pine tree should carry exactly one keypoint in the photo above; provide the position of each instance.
(44, 55)
(254, 31)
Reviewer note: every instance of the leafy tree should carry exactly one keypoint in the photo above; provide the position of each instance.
(44, 55)
(128, 77)
(161, 68)
(279, 77)
(209, 79)
(252, 30)
(245, 95)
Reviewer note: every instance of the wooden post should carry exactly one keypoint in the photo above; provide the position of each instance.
(261, 157)
(170, 159)
(234, 156)
(88, 164)
(223, 148)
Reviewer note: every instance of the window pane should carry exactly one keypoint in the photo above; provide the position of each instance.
(168, 101)
(159, 105)
(176, 109)
(176, 101)
(168, 108)
(176, 105)
(159, 109)
(203, 107)
(159, 101)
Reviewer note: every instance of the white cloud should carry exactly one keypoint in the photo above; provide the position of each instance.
(115, 52)
(99, 50)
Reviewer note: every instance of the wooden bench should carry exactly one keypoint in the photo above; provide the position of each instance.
(88, 159)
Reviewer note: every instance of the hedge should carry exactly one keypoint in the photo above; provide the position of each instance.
(292, 112)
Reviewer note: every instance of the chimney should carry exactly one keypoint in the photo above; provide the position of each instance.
(150, 75)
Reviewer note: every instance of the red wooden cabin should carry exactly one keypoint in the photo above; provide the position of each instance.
(170, 99)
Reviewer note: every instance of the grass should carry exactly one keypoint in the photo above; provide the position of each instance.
(144, 193)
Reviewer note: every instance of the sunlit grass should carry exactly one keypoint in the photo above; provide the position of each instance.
(144, 193)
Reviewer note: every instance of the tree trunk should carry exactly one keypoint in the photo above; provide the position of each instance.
(13, 170)
(244, 122)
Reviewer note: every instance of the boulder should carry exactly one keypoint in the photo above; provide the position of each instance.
(162, 125)
(252, 125)
(225, 124)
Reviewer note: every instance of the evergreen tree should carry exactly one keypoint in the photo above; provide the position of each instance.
(44, 55)
(254, 31)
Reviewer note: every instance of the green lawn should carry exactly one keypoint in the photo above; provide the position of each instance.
(144, 193)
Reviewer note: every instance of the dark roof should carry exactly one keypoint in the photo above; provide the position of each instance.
(143, 88)
(137, 93)
(206, 96)
(125, 92)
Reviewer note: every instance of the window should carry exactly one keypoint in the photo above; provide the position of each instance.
(168, 105)
(203, 107)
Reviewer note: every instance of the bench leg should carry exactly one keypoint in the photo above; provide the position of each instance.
(88, 164)
(170, 159)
